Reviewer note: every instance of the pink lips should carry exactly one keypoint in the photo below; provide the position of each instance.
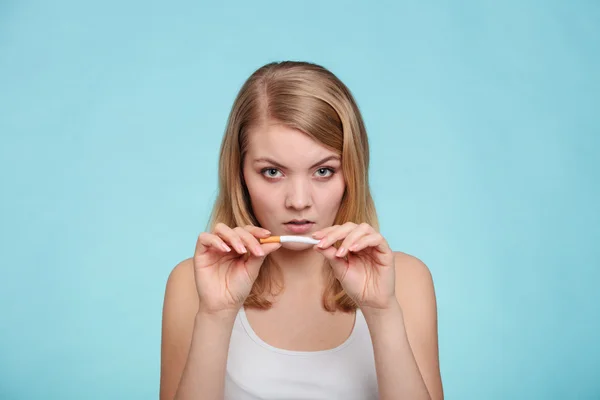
(299, 228)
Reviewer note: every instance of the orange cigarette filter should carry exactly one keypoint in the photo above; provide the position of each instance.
(271, 239)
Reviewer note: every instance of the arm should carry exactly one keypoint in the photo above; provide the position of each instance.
(405, 336)
(194, 344)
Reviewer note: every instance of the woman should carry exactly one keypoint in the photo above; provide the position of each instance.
(347, 318)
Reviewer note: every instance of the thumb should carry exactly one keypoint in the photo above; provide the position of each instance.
(254, 263)
(339, 265)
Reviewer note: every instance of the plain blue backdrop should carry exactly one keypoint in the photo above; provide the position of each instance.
(485, 130)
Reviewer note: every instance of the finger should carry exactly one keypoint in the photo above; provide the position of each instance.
(209, 250)
(360, 231)
(268, 248)
(229, 236)
(206, 241)
(257, 231)
(374, 240)
(249, 241)
(253, 263)
(336, 234)
(338, 265)
(321, 233)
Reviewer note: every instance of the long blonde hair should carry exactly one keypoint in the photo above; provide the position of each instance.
(310, 98)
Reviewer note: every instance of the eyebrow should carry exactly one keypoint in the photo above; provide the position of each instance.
(270, 161)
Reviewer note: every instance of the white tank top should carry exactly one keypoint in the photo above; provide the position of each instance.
(257, 370)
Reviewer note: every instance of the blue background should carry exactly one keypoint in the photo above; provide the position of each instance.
(485, 131)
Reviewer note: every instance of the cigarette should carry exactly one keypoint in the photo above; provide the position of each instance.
(288, 239)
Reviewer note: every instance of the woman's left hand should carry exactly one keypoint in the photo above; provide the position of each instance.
(364, 263)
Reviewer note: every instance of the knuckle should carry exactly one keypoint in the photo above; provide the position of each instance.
(242, 234)
(203, 235)
(240, 231)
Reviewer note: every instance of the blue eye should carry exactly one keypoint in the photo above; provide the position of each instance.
(270, 172)
(322, 171)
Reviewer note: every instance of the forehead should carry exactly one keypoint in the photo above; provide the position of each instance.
(285, 144)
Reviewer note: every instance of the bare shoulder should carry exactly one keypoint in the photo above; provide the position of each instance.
(181, 298)
(416, 295)
(412, 275)
(181, 282)
(179, 308)
(414, 285)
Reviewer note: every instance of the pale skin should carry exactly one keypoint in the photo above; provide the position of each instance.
(394, 290)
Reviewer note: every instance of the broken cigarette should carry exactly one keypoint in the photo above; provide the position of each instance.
(288, 239)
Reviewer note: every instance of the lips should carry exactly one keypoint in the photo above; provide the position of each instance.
(299, 226)
(298, 221)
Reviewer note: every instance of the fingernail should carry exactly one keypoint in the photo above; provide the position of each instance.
(353, 247)
(240, 248)
(259, 251)
(225, 247)
(340, 252)
(321, 244)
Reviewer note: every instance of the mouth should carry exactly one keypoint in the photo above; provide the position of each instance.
(299, 226)
(299, 222)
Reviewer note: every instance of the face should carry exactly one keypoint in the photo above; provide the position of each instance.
(295, 183)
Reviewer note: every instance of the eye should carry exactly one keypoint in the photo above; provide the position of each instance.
(325, 172)
(270, 172)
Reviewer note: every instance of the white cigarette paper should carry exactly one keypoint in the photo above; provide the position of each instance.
(289, 239)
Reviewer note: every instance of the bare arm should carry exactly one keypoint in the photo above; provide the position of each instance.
(202, 299)
(194, 344)
(204, 372)
(405, 336)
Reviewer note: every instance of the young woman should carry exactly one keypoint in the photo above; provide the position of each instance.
(347, 318)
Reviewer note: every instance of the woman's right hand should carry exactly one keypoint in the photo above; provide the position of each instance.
(226, 264)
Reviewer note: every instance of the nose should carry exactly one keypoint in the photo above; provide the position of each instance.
(299, 195)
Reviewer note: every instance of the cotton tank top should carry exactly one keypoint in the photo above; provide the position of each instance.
(257, 370)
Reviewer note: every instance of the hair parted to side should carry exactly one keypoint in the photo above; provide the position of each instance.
(310, 98)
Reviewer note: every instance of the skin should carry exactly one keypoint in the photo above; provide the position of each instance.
(203, 295)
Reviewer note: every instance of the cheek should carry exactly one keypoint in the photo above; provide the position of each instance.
(331, 197)
(338, 190)
(261, 201)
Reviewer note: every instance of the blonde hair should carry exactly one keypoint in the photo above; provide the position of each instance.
(307, 97)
